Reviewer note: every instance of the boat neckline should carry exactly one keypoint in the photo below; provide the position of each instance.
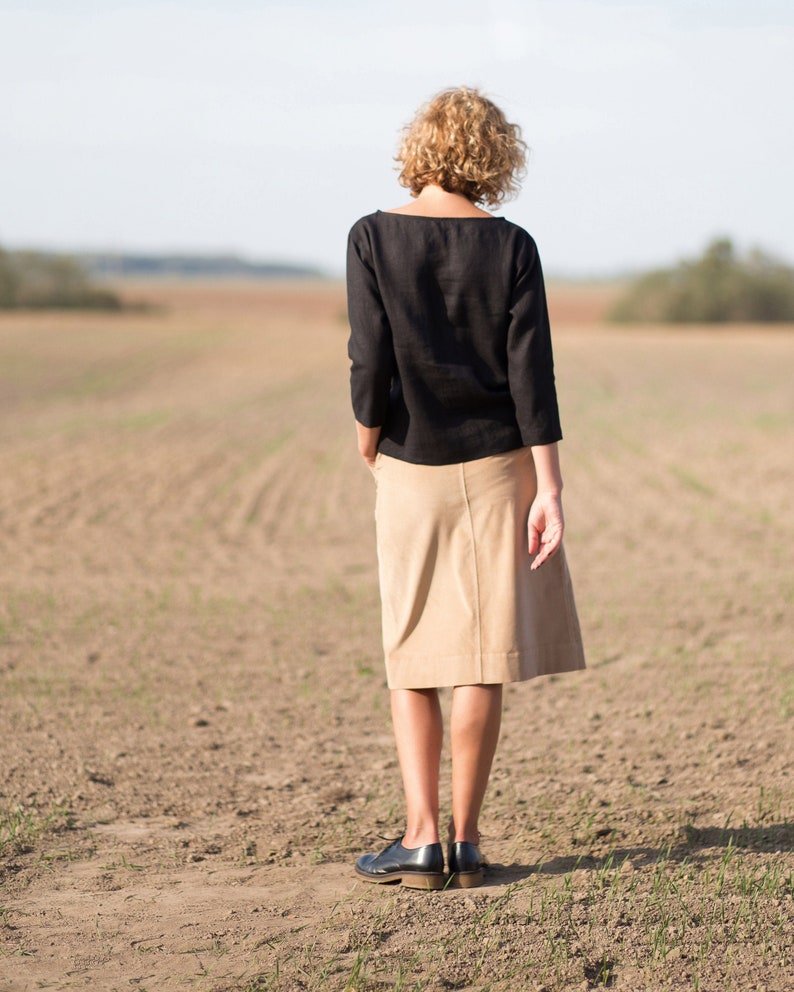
(394, 213)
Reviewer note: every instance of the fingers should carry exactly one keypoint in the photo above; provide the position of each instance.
(545, 528)
(550, 543)
(534, 538)
(543, 556)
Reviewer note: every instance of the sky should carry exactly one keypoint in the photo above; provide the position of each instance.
(266, 129)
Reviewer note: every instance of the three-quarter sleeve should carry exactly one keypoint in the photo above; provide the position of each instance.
(370, 346)
(530, 363)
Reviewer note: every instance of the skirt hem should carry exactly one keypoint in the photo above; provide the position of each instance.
(488, 669)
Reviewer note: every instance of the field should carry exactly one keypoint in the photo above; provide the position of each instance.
(195, 742)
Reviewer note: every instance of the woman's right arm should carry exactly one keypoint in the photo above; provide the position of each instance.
(530, 365)
(530, 362)
(546, 522)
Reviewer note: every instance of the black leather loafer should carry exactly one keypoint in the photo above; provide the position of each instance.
(466, 865)
(417, 868)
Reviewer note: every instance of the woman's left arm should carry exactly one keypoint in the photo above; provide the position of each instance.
(370, 344)
(368, 438)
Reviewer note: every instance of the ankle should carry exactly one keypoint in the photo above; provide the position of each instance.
(420, 836)
(464, 833)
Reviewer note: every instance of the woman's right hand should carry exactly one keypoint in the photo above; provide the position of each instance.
(545, 527)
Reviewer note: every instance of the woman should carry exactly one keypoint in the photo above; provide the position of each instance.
(453, 392)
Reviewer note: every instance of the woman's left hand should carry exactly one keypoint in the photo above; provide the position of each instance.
(368, 444)
(545, 527)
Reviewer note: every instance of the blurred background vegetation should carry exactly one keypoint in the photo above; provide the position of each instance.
(719, 287)
(39, 280)
(722, 286)
(47, 280)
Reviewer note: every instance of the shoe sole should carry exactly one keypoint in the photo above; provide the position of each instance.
(466, 879)
(410, 879)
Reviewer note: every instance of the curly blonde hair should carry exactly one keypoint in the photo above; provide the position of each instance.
(462, 142)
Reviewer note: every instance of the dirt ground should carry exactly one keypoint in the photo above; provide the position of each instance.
(195, 743)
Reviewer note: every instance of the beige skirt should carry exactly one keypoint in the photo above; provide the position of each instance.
(460, 604)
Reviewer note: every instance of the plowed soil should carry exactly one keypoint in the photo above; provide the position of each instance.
(194, 733)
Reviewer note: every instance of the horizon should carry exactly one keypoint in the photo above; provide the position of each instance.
(317, 272)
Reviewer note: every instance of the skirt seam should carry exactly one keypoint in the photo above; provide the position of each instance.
(475, 568)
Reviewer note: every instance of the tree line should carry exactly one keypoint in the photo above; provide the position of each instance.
(38, 280)
(720, 287)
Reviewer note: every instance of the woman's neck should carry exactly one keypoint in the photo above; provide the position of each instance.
(433, 201)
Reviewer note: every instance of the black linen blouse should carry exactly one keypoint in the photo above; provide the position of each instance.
(449, 344)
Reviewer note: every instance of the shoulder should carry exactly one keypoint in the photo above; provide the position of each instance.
(518, 234)
(362, 236)
(364, 225)
(523, 248)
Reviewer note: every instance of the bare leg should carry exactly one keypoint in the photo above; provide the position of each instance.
(474, 732)
(419, 732)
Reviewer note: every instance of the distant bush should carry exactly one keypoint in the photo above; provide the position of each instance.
(123, 266)
(719, 287)
(30, 279)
